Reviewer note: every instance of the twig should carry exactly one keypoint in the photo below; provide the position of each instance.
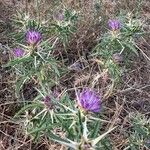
(142, 52)
(133, 88)
(11, 137)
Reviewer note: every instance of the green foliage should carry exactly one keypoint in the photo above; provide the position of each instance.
(65, 27)
(22, 23)
(78, 127)
(39, 62)
(36, 66)
(140, 135)
(121, 42)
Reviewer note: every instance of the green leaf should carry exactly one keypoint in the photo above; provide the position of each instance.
(61, 141)
(18, 61)
(95, 141)
(29, 106)
(96, 129)
(131, 47)
(42, 128)
(20, 83)
(54, 66)
(66, 100)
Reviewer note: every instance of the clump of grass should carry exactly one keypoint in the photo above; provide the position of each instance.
(139, 136)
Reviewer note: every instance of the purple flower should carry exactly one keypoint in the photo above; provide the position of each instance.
(48, 99)
(59, 15)
(89, 100)
(114, 24)
(48, 102)
(18, 52)
(118, 58)
(33, 37)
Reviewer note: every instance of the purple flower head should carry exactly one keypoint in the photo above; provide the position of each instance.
(118, 58)
(114, 24)
(33, 37)
(59, 15)
(56, 94)
(18, 52)
(90, 100)
(48, 102)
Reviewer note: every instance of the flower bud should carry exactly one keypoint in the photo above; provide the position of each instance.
(18, 52)
(114, 24)
(117, 58)
(33, 37)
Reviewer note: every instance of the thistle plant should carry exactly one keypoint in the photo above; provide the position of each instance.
(65, 24)
(34, 59)
(79, 120)
(118, 45)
